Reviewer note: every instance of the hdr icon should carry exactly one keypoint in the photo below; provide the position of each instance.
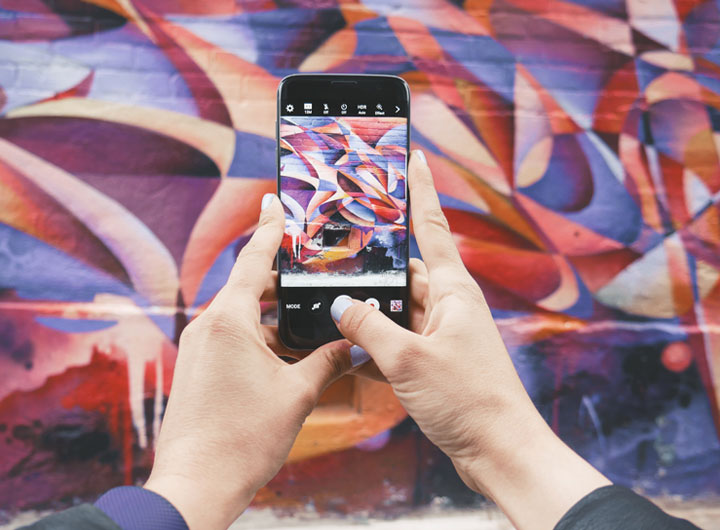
(292, 306)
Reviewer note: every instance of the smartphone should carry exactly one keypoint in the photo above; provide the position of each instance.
(342, 155)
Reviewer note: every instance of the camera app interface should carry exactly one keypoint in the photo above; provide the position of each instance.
(343, 187)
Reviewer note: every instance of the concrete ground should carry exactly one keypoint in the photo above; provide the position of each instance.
(704, 514)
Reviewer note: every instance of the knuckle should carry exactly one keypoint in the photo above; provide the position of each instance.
(470, 291)
(436, 218)
(407, 355)
(267, 220)
(417, 264)
(408, 351)
(338, 363)
(250, 251)
(357, 316)
(452, 272)
(241, 282)
(424, 179)
(446, 272)
(190, 332)
(218, 321)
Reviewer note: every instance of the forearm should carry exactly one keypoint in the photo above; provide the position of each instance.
(532, 476)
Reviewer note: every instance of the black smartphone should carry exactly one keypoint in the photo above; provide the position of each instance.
(342, 155)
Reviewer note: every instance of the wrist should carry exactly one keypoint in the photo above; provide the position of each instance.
(529, 472)
(193, 498)
(501, 450)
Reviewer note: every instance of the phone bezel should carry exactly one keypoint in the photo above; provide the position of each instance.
(301, 84)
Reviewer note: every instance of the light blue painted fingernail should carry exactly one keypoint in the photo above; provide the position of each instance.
(339, 305)
(266, 200)
(358, 356)
(420, 155)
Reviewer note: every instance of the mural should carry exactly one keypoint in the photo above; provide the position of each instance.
(574, 144)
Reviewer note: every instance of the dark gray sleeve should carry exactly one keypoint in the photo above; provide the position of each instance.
(618, 508)
(83, 517)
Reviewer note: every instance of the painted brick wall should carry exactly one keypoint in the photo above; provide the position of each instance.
(575, 145)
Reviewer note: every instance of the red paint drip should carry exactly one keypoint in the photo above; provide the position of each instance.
(558, 366)
(108, 390)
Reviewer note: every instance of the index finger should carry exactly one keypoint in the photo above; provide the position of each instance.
(432, 231)
(253, 267)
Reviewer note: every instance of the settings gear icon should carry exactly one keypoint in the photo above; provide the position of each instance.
(289, 107)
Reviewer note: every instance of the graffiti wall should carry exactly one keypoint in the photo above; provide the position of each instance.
(575, 146)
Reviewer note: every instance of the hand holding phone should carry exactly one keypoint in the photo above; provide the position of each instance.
(235, 408)
(455, 378)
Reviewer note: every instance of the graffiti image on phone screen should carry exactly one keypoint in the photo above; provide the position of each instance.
(343, 187)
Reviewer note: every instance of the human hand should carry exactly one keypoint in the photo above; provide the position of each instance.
(235, 408)
(362, 364)
(455, 378)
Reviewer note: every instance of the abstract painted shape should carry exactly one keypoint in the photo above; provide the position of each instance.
(576, 148)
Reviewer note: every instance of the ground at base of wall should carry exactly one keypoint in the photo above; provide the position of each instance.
(483, 519)
(704, 514)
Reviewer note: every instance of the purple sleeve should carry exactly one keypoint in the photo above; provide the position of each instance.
(134, 508)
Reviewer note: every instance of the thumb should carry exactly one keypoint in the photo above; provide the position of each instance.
(374, 332)
(326, 364)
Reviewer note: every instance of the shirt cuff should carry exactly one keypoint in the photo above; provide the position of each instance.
(611, 507)
(134, 508)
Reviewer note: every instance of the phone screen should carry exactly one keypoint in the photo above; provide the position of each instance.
(342, 170)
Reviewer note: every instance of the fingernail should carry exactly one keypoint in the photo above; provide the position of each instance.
(339, 305)
(266, 200)
(358, 356)
(421, 156)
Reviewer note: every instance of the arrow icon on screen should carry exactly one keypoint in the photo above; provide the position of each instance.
(397, 109)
